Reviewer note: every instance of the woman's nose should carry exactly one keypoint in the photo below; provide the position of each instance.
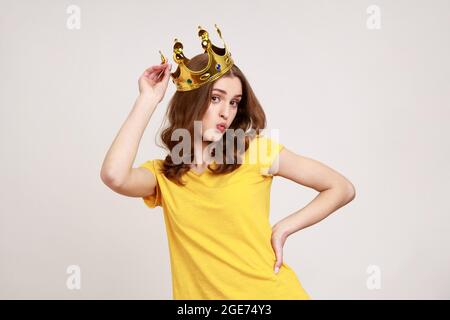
(224, 112)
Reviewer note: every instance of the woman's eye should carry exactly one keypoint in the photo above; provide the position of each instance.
(235, 103)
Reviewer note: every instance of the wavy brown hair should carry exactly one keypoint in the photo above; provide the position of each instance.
(185, 107)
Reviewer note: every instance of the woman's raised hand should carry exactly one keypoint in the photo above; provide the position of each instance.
(153, 82)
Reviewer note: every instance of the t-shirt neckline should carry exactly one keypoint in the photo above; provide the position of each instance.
(199, 174)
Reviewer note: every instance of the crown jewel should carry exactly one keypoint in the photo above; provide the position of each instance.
(219, 62)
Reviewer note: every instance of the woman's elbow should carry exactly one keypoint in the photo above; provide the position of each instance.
(350, 191)
(109, 179)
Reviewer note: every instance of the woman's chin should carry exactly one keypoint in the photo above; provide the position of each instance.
(213, 137)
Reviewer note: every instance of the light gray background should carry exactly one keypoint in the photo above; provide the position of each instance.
(372, 104)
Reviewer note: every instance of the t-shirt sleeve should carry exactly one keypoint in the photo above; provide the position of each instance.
(268, 152)
(155, 199)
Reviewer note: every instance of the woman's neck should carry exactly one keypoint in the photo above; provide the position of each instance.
(201, 157)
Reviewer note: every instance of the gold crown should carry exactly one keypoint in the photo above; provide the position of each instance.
(219, 62)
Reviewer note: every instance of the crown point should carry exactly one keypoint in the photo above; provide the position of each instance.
(163, 58)
(186, 79)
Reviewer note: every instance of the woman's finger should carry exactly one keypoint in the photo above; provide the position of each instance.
(155, 68)
(277, 244)
(162, 74)
(279, 257)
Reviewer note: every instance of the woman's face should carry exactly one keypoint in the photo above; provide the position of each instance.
(225, 96)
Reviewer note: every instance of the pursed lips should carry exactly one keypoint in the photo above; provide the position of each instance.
(221, 127)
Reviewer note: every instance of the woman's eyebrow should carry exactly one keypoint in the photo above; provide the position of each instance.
(223, 91)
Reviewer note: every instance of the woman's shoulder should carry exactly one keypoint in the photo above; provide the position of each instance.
(263, 150)
(263, 142)
(154, 165)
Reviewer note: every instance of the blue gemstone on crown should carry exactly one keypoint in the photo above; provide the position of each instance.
(189, 81)
(218, 66)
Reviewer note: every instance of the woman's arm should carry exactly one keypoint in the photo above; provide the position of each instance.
(117, 171)
(122, 153)
(335, 192)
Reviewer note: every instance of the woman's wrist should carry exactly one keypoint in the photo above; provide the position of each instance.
(282, 228)
(148, 98)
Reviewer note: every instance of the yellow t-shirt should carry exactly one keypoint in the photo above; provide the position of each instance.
(219, 231)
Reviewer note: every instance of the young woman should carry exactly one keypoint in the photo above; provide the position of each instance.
(216, 213)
